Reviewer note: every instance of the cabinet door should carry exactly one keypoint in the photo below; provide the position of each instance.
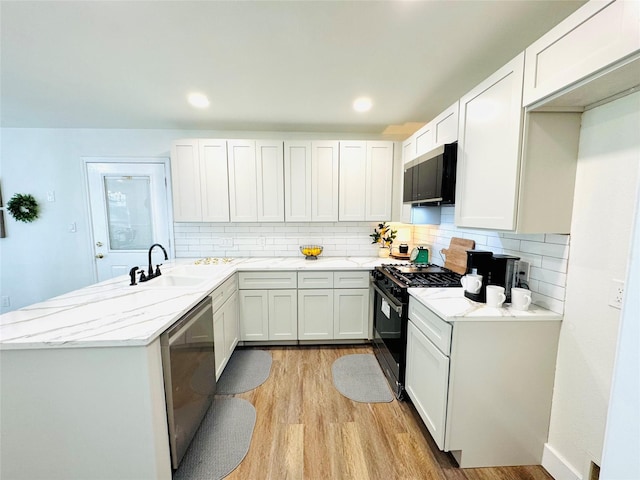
(242, 181)
(221, 355)
(254, 315)
(283, 315)
(324, 186)
(315, 314)
(424, 139)
(214, 180)
(409, 149)
(185, 181)
(445, 126)
(351, 313)
(270, 181)
(231, 325)
(353, 169)
(426, 382)
(297, 181)
(489, 150)
(378, 181)
(594, 37)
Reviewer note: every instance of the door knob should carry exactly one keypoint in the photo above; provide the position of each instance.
(99, 244)
(99, 255)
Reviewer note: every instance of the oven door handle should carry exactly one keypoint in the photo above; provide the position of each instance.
(396, 308)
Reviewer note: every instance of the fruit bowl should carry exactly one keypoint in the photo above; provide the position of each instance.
(311, 252)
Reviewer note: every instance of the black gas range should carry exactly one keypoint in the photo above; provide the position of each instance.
(391, 315)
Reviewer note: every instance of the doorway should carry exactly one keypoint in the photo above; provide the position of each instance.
(129, 204)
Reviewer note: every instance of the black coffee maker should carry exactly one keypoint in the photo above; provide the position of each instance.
(504, 273)
(480, 262)
(496, 269)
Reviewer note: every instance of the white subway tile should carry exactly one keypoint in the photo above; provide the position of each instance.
(549, 276)
(556, 264)
(551, 290)
(545, 249)
(504, 243)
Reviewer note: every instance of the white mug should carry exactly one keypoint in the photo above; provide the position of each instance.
(495, 295)
(472, 283)
(520, 298)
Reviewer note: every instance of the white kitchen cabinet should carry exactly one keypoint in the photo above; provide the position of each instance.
(315, 314)
(297, 181)
(409, 149)
(243, 194)
(311, 181)
(226, 322)
(445, 126)
(333, 305)
(350, 313)
(369, 200)
(268, 306)
(489, 150)
(426, 382)
(424, 139)
(594, 37)
(199, 181)
(466, 381)
(270, 181)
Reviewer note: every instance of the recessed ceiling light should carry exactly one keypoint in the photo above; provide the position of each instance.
(198, 100)
(362, 104)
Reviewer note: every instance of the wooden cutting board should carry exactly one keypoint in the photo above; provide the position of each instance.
(456, 254)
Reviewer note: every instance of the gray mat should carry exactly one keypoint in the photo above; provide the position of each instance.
(246, 370)
(360, 378)
(221, 442)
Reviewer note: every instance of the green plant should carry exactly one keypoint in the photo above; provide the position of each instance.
(384, 234)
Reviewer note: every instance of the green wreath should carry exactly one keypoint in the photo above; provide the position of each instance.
(23, 208)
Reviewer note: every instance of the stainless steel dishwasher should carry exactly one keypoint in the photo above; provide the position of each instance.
(188, 364)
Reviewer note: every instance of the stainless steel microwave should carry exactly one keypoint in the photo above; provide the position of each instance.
(430, 179)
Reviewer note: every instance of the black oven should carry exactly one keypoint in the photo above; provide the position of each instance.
(391, 314)
(390, 322)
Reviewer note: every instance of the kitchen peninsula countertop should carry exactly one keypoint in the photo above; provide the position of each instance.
(451, 305)
(112, 313)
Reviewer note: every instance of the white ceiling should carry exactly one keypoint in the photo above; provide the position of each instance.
(265, 65)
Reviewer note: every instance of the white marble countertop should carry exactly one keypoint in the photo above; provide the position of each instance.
(451, 305)
(112, 313)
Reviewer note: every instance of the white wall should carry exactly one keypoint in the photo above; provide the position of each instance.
(604, 209)
(547, 254)
(42, 259)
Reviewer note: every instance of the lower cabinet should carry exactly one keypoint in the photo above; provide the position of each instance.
(226, 328)
(311, 305)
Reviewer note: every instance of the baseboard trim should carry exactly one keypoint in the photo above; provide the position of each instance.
(557, 466)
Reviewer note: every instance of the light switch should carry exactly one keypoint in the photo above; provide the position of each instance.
(51, 196)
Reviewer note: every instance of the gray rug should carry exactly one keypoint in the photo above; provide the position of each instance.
(221, 442)
(246, 370)
(360, 378)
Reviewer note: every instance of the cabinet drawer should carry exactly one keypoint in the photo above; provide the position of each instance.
(359, 279)
(431, 325)
(224, 292)
(315, 280)
(266, 280)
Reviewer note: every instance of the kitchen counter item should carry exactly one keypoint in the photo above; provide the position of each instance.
(311, 252)
(400, 256)
(456, 254)
(420, 255)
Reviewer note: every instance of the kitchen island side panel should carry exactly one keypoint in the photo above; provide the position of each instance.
(500, 390)
(83, 413)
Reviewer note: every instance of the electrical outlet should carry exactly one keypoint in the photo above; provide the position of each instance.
(262, 241)
(227, 242)
(523, 271)
(5, 301)
(616, 293)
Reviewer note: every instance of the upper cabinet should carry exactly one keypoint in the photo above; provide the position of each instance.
(488, 150)
(445, 126)
(593, 38)
(424, 139)
(508, 162)
(368, 200)
(199, 181)
(311, 181)
(256, 189)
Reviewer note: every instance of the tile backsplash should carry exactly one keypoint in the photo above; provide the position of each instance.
(273, 239)
(547, 254)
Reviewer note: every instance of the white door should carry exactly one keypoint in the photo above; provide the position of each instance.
(129, 213)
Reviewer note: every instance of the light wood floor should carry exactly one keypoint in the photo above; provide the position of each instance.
(305, 429)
